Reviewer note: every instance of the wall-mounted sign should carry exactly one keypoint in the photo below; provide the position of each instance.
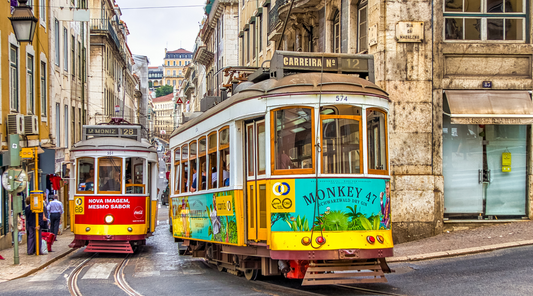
(410, 31)
(487, 84)
(373, 35)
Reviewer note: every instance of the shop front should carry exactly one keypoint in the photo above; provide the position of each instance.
(485, 154)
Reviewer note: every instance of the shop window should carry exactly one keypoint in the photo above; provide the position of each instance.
(110, 175)
(494, 20)
(193, 174)
(135, 175)
(212, 176)
(376, 125)
(184, 169)
(292, 130)
(224, 165)
(202, 158)
(341, 145)
(85, 175)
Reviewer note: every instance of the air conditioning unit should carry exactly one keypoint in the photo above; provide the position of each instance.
(31, 124)
(15, 124)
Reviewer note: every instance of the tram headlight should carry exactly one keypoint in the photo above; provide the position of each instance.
(380, 239)
(130, 229)
(88, 229)
(320, 240)
(370, 239)
(109, 219)
(306, 241)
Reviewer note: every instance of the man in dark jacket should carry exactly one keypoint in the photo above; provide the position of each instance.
(32, 228)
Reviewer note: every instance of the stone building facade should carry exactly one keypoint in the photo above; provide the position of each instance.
(459, 75)
(173, 66)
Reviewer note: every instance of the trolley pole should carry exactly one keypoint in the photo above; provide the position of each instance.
(37, 227)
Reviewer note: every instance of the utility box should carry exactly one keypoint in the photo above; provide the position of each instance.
(14, 150)
(36, 201)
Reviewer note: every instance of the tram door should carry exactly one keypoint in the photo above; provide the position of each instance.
(255, 156)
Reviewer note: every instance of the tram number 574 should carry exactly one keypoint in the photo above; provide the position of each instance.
(341, 98)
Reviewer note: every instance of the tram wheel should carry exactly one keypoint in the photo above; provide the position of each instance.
(221, 268)
(251, 274)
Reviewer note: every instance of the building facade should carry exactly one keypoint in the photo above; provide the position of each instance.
(155, 77)
(25, 101)
(112, 87)
(174, 62)
(163, 120)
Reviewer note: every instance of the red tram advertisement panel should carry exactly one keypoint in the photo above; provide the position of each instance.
(125, 209)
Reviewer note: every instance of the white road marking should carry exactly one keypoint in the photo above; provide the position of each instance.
(49, 274)
(100, 271)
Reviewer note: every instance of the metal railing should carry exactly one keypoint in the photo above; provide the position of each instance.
(105, 25)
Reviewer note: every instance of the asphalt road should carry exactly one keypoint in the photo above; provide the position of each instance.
(157, 269)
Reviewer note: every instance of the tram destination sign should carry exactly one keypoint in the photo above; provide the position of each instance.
(132, 132)
(285, 63)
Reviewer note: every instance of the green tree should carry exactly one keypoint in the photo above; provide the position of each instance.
(163, 91)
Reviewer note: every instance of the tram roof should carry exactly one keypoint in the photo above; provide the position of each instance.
(114, 144)
(307, 83)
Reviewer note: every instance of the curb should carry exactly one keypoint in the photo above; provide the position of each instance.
(43, 265)
(459, 252)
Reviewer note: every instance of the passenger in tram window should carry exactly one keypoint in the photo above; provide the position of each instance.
(193, 186)
(89, 182)
(225, 175)
(113, 184)
(284, 161)
(214, 177)
(204, 178)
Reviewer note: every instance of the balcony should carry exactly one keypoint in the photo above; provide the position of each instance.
(104, 26)
(203, 56)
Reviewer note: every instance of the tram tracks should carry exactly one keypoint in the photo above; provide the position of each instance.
(119, 277)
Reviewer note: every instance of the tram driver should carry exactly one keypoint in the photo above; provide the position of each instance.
(113, 184)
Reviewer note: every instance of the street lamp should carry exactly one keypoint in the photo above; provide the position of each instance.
(23, 22)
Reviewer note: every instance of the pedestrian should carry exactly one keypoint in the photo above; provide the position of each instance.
(55, 208)
(32, 227)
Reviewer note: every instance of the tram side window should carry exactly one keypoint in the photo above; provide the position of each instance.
(193, 174)
(341, 144)
(212, 176)
(177, 170)
(223, 149)
(293, 138)
(135, 175)
(85, 175)
(376, 124)
(184, 168)
(202, 158)
(110, 174)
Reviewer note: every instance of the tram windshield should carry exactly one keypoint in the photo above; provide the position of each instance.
(293, 138)
(85, 178)
(377, 141)
(110, 174)
(341, 144)
(134, 175)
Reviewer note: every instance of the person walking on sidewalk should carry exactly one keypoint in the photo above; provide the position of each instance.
(30, 228)
(55, 208)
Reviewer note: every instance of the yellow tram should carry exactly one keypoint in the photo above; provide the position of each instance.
(290, 175)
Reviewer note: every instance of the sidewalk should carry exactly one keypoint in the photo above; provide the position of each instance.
(460, 242)
(30, 264)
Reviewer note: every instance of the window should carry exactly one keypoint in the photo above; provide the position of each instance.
(66, 126)
(180, 63)
(212, 176)
(224, 164)
(79, 60)
(168, 81)
(73, 126)
(56, 27)
(261, 148)
(485, 20)
(43, 89)
(293, 140)
(30, 88)
(174, 72)
(85, 175)
(376, 124)
(42, 11)
(73, 56)
(203, 163)
(254, 38)
(177, 170)
(65, 48)
(341, 145)
(173, 82)
(174, 63)
(13, 79)
(135, 175)
(247, 46)
(362, 27)
(336, 32)
(58, 125)
(193, 175)
(110, 175)
(260, 37)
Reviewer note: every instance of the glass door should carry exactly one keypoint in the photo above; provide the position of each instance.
(255, 156)
(462, 168)
(506, 161)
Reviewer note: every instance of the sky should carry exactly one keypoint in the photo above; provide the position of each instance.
(153, 29)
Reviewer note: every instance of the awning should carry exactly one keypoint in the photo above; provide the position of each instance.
(488, 107)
